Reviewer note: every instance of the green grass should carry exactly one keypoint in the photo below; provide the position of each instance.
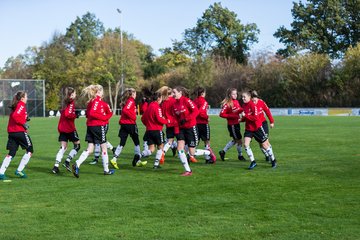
(313, 194)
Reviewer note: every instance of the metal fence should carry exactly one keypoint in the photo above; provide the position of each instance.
(35, 90)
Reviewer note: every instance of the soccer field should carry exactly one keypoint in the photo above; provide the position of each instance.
(313, 194)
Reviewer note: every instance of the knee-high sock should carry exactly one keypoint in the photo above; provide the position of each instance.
(137, 150)
(249, 153)
(167, 146)
(118, 151)
(239, 149)
(200, 152)
(264, 151)
(24, 161)
(145, 153)
(158, 155)
(105, 161)
(184, 161)
(97, 151)
(174, 144)
(270, 153)
(5, 164)
(71, 155)
(145, 146)
(229, 145)
(59, 156)
(82, 158)
(109, 145)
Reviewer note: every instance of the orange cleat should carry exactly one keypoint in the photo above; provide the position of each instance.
(162, 159)
(185, 174)
(193, 159)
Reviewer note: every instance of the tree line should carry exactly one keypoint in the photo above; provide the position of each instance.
(319, 66)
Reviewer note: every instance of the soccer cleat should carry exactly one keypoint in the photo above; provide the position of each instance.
(162, 159)
(212, 156)
(273, 163)
(114, 163)
(222, 155)
(193, 159)
(241, 158)
(173, 151)
(55, 170)
(110, 172)
(135, 159)
(20, 174)
(66, 164)
(252, 165)
(185, 174)
(75, 170)
(94, 162)
(156, 167)
(3, 177)
(141, 163)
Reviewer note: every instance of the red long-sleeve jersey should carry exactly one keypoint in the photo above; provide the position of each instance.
(202, 105)
(17, 118)
(185, 109)
(231, 113)
(143, 107)
(97, 113)
(153, 118)
(263, 108)
(128, 113)
(67, 119)
(252, 119)
(167, 107)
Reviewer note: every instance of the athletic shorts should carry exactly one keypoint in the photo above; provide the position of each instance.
(266, 127)
(259, 135)
(154, 137)
(189, 135)
(234, 131)
(204, 131)
(19, 138)
(72, 137)
(170, 132)
(126, 130)
(96, 134)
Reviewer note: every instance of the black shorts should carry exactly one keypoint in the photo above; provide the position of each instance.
(204, 131)
(170, 132)
(266, 127)
(96, 134)
(234, 131)
(189, 135)
(260, 135)
(126, 130)
(19, 138)
(72, 137)
(154, 137)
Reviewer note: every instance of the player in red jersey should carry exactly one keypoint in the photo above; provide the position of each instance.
(98, 114)
(254, 129)
(128, 127)
(186, 112)
(202, 122)
(167, 110)
(263, 109)
(18, 135)
(154, 121)
(67, 130)
(230, 110)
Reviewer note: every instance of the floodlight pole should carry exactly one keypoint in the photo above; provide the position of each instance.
(121, 54)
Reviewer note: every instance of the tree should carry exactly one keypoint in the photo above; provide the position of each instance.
(219, 32)
(329, 26)
(82, 34)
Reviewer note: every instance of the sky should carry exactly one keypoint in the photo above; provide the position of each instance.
(25, 23)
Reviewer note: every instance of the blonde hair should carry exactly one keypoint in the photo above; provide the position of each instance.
(165, 92)
(126, 95)
(228, 100)
(91, 91)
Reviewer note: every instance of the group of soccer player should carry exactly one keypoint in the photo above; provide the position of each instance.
(186, 120)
